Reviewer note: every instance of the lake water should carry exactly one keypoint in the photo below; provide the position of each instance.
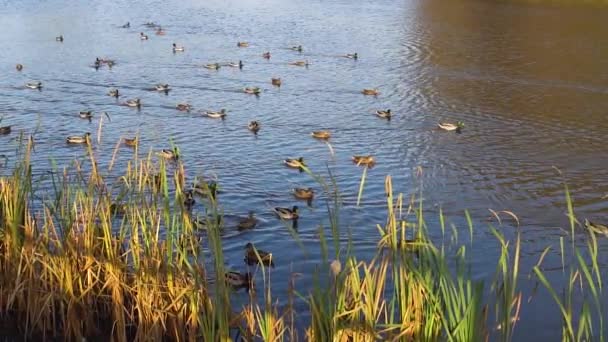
(530, 82)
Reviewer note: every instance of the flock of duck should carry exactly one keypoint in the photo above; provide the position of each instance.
(252, 254)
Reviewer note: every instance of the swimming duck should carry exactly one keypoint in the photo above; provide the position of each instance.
(85, 114)
(266, 55)
(142, 36)
(304, 194)
(352, 55)
(204, 223)
(168, 154)
(446, 126)
(286, 213)
(97, 63)
(59, 39)
(321, 135)
(373, 92)
(242, 44)
(206, 189)
(252, 90)
(297, 48)
(178, 48)
(254, 126)
(133, 103)
(596, 228)
(34, 85)
(150, 24)
(212, 66)
(131, 142)
(162, 87)
(364, 160)
(5, 130)
(189, 201)
(385, 114)
(299, 63)
(248, 222)
(276, 82)
(160, 31)
(239, 280)
(78, 139)
(127, 25)
(235, 65)
(183, 107)
(251, 257)
(294, 163)
(113, 93)
(19, 67)
(216, 115)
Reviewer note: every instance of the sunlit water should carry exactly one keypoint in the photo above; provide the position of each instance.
(529, 82)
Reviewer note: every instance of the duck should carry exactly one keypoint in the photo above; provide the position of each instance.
(85, 114)
(254, 126)
(251, 257)
(266, 55)
(189, 201)
(79, 139)
(212, 66)
(299, 63)
(385, 114)
(252, 90)
(297, 48)
(239, 280)
(133, 103)
(596, 228)
(446, 126)
(127, 25)
(364, 160)
(242, 44)
(351, 55)
(183, 107)
(294, 163)
(162, 87)
(160, 31)
(216, 115)
(276, 82)
(114, 93)
(248, 222)
(150, 24)
(206, 189)
(59, 39)
(324, 135)
(97, 63)
(168, 154)
(373, 92)
(304, 194)
(34, 85)
(142, 36)
(19, 67)
(178, 48)
(5, 130)
(286, 213)
(235, 65)
(131, 142)
(204, 223)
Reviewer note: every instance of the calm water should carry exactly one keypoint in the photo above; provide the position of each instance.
(530, 83)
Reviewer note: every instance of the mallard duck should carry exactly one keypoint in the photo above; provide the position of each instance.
(97, 64)
(212, 66)
(114, 93)
(189, 200)
(19, 67)
(242, 44)
(160, 31)
(351, 55)
(297, 48)
(59, 39)
(85, 114)
(373, 92)
(132, 142)
(266, 55)
(239, 280)
(178, 48)
(294, 163)
(127, 25)
(254, 126)
(162, 87)
(216, 115)
(596, 228)
(204, 223)
(150, 24)
(276, 82)
(286, 213)
(385, 114)
(304, 194)
(118, 208)
(167, 154)
(183, 107)
(364, 160)
(235, 65)
(5, 130)
(133, 103)
(142, 36)
(446, 126)
(251, 257)
(252, 90)
(78, 139)
(247, 222)
(321, 135)
(299, 63)
(206, 189)
(34, 85)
